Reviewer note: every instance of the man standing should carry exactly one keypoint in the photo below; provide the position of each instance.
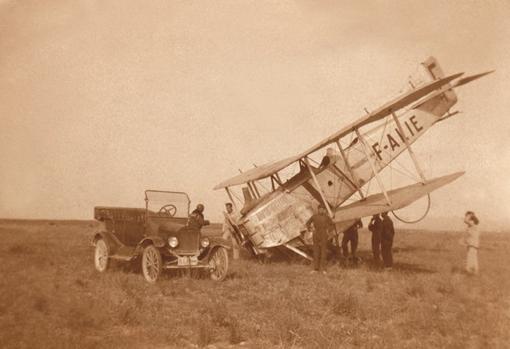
(351, 235)
(228, 229)
(388, 232)
(322, 224)
(375, 227)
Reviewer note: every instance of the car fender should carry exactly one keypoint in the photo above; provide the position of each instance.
(111, 241)
(215, 243)
(157, 241)
(219, 241)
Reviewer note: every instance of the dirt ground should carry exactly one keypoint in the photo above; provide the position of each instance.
(52, 297)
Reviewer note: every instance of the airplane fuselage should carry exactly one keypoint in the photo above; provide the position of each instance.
(281, 216)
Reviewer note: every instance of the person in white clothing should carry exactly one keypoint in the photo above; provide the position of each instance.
(227, 229)
(472, 242)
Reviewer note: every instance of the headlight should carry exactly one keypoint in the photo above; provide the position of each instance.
(173, 242)
(204, 242)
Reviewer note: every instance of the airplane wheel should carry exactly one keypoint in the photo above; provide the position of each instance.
(152, 263)
(101, 255)
(218, 260)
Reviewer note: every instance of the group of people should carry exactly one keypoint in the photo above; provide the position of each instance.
(382, 230)
(381, 227)
(196, 220)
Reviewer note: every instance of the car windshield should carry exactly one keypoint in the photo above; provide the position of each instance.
(167, 204)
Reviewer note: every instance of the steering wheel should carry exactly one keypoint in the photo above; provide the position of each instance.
(167, 211)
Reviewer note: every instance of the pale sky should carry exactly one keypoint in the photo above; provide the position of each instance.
(100, 100)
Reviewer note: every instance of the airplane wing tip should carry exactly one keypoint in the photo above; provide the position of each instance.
(453, 176)
(470, 78)
(444, 180)
(219, 186)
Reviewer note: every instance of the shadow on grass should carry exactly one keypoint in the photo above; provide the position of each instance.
(19, 249)
(278, 255)
(418, 248)
(234, 275)
(412, 268)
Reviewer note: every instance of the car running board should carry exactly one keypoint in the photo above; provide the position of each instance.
(124, 253)
(121, 258)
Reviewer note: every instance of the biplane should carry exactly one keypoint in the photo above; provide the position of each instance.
(277, 218)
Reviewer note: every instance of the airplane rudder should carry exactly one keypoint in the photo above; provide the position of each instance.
(443, 102)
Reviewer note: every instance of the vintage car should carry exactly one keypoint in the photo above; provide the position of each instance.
(159, 236)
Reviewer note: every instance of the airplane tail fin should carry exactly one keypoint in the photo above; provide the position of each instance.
(441, 103)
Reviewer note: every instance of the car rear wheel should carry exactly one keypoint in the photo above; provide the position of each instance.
(101, 255)
(151, 263)
(218, 260)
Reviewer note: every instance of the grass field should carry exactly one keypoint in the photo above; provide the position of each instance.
(51, 296)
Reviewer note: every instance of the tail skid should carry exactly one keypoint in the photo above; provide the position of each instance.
(298, 251)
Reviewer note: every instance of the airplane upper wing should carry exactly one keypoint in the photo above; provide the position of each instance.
(468, 79)
(457, 83)
(399, 198)
(258, 172)
(405, 99)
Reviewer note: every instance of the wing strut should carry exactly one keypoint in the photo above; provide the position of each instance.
(355, 180)
(275, 178)
(298, 251)
(255, 189)
(231, 198)
(251, 187)
(326, 204)
(372, 165)
(411, 153)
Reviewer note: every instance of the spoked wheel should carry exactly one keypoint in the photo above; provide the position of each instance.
(151, 263)
(101, 255)
(218, 260)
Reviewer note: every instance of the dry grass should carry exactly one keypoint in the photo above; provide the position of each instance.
(51, 296)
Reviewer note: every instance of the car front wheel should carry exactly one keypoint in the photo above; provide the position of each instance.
(101, 255)
(218, 261)
(151, 263)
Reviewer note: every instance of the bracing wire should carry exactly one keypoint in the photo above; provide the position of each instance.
(420, 218)
(405, 172)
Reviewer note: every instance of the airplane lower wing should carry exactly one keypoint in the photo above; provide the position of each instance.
(399, 198)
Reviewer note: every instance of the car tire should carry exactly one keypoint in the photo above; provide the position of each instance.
(218, 260)
(101, 253)
(152, 263)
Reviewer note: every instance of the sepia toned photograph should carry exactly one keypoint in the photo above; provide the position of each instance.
(254, 174)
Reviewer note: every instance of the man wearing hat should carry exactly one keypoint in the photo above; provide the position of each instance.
(322, 224)
(196, 218)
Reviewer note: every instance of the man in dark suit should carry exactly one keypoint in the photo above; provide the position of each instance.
(376, 227)
(351, 235)
(388, 232)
